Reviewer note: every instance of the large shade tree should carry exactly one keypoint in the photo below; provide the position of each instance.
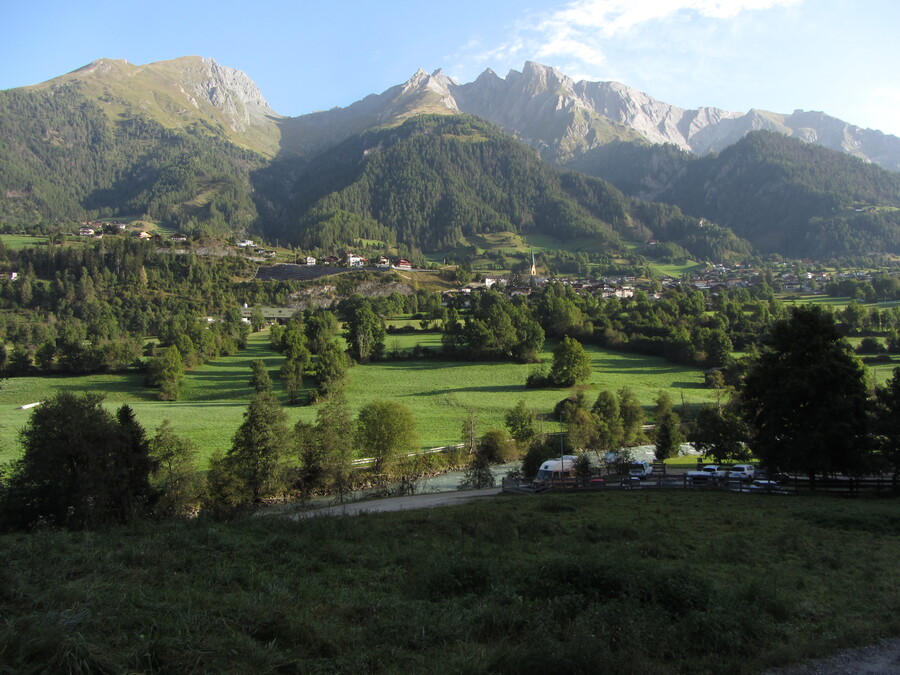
(365, 333)
(804, 398)
(571, 363)
(387, 431)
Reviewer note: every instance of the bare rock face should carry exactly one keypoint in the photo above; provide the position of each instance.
(562, 117)
(540, 105)
(230, 91)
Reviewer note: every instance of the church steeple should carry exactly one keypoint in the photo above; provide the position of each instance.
(533, 266)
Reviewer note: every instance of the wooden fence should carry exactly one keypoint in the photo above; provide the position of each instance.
(851, 487)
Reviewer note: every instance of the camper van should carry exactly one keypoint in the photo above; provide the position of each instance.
(554, 469)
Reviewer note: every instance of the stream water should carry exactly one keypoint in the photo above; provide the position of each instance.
(448, 482)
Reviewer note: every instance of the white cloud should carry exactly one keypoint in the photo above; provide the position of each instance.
(615, 16)
(580, 31)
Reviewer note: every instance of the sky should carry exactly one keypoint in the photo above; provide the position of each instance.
(837, 56)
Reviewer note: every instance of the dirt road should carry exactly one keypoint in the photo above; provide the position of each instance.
(423, 501)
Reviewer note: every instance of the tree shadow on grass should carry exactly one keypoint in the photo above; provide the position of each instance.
(132, 387)
(688, 385)
(458, 390)
(430, 364)
(633, 371)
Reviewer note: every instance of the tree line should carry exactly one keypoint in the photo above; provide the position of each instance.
(803, 405)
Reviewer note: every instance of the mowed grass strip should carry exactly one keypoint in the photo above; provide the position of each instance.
(637, 582)
(440, 393)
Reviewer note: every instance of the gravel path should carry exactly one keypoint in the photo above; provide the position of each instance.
(882, 658)
(423, 501)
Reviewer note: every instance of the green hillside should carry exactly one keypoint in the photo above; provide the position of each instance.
(783, 195)
(166, 92)
(435, 182)
(63, 159)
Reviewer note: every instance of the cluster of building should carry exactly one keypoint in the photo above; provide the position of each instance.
(96, 230)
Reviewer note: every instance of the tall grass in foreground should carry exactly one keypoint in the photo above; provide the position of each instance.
(653, 582)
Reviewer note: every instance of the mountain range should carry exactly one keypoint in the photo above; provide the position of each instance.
(196, 145)
(563, 118)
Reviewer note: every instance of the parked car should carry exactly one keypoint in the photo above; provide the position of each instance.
(640, 469)
(709, 472)
(768, 487)
(742, 472)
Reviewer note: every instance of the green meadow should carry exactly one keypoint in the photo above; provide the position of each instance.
(834, 303)
(440, 393)
(675, 270)
(20, 241)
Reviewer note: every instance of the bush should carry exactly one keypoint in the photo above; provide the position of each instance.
(497, 447)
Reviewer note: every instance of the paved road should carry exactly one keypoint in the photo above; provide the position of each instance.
(882, 658)
(423, 501)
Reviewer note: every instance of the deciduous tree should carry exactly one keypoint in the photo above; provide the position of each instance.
(721, 433)
(886, 425)
(175, 471)
(387, 430)
(365, 333)
(167, 372)
(330, 368)
(521, 423)
(291, 374)
(571, 363)
(334, 427)
(632, 414)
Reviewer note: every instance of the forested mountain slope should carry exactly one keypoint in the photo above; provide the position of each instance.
(435, 180)
(783, 195)
(62, 159)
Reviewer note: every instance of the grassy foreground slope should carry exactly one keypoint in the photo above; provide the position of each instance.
(640, 582)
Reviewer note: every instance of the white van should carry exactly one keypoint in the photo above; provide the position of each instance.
(640, 469)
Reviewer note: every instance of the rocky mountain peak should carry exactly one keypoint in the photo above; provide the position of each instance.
(229, 90)
(436, 82)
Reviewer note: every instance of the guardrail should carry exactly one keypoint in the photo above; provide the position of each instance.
(368, 461)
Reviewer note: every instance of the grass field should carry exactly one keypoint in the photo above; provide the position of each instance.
(440, 393)
(674, 270)
(20, 241)
(645, 581)
(835, 303)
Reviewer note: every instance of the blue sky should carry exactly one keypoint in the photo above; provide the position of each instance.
(838, 56)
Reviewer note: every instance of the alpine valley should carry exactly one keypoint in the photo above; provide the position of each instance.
(424, 166)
